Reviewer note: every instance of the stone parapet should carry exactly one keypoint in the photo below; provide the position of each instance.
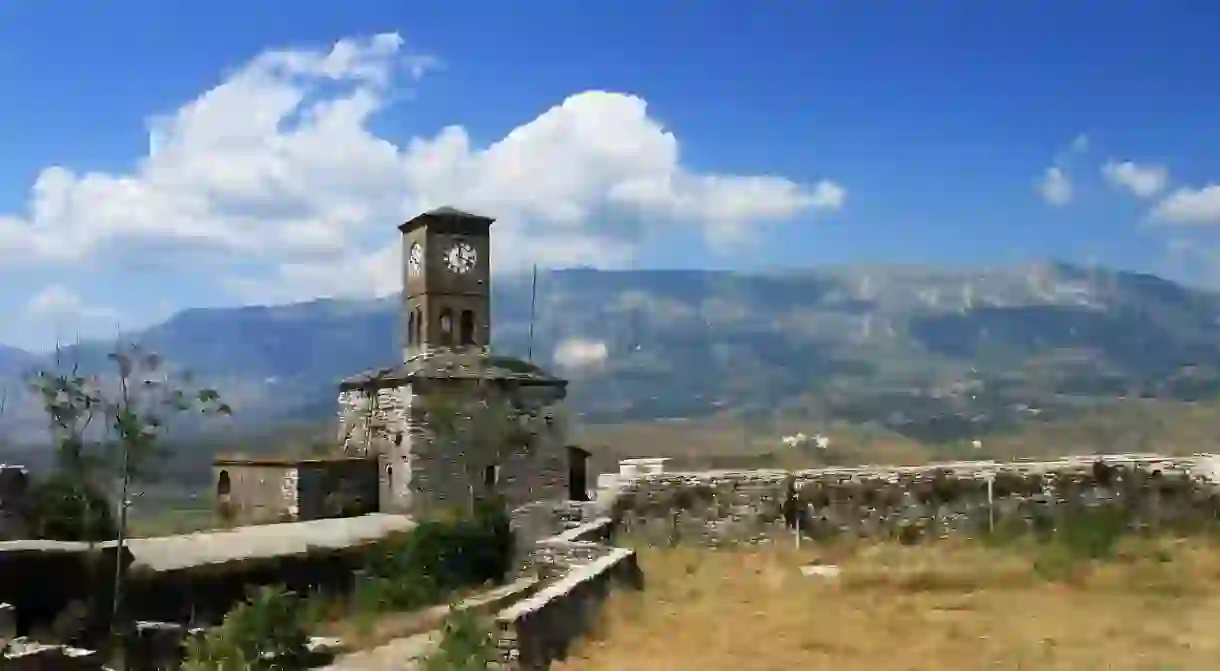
(8, 622)
(717, 507)
(25, 655)
(536, 631)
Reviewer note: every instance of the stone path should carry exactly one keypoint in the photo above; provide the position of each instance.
(398, 655)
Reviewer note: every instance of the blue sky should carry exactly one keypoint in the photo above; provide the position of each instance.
(648, 134)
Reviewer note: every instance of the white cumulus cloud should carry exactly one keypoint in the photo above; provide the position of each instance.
(275, 177)
(1143, 181)
(61, 310)
(1190, 206)
(57, 300)
(1055, 187)
(578, 353)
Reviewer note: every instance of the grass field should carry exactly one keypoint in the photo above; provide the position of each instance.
(951, 605)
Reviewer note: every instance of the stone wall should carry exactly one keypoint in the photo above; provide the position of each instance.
(187, 578)
(937, 499)
(258, 492)
(371, 422)
(514, 445)
(428, 467)
(262, 491)
(337, 488)
(580, 570)
(40, 580)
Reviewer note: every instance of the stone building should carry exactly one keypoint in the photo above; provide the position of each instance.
(452, 422)
(449, 424)
(263, 490)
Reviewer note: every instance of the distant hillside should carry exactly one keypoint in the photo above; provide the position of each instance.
(13, 361)
(929, 353)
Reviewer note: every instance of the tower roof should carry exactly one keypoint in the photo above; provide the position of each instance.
(452, 217)
(455, 364)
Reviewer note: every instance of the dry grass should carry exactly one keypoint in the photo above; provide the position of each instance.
(944, 606)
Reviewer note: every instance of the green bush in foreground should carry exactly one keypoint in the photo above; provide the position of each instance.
(65, 508)
(266, 632)
(437, 557)
(466, 645)
(420, 568)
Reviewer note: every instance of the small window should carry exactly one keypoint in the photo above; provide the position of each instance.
(223, 484)
(467, 327)
(411, 328)
(389, 471)
(491, 476)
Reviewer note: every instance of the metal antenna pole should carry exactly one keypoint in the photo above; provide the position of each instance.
(533, 301)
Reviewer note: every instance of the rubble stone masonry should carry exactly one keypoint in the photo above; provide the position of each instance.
(422, 472)
(718, 507)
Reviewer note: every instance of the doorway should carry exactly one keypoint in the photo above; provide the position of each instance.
(578, 474)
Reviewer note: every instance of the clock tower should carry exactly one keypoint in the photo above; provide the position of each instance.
(446, 301)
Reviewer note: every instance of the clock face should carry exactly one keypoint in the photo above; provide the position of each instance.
(461, 257)
(415, 260)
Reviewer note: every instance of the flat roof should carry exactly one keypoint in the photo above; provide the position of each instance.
(286, 461)
(454, 364)
(265, 541)
(220, 547)
(449, 218)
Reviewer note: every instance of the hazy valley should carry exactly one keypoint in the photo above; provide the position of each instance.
(932, 354)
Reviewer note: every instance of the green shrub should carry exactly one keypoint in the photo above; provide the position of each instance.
(1092, 533)
(64, 508)
(1065, 541)
(437, 557)
(466, 645)
(266, 632)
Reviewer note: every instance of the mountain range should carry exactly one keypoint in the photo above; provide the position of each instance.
(933, 353)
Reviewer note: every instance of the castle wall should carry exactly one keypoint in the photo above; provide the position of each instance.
(711, 508)
(581, 568)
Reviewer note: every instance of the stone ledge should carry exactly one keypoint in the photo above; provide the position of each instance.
(538, 630)
(25, 655)
(727, 506)
(599, 529)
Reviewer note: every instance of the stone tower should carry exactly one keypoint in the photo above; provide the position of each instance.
(389, 413)
(446, 265)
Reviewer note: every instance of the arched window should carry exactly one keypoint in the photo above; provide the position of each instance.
(446, 324)
(223, 484)
(411, 328)
(467, 327)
